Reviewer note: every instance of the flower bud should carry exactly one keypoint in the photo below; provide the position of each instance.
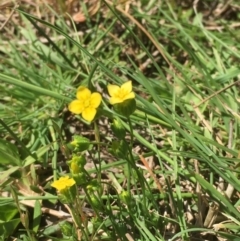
(95, 202)
(125, 197)
(126, 108)
(118, 129)
(76, 164)
(80, 178)
(119, 149)
(66, 228)
(80, 143)
(93, 186)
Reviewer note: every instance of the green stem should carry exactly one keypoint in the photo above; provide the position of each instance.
(132, 162)
(97, 137)
(55, 148)
(131, 132)
(89, 198)
(77, 218)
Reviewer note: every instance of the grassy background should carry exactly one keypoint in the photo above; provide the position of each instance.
(182, 168)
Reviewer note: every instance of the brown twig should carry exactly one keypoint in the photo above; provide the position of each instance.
(157, 45)
(9, 17)
(216, 93)
(145, 163)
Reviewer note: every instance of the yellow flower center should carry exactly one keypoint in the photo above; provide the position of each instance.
(121, 94)
(86, 103)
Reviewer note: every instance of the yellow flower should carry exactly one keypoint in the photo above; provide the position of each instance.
(63, 183)
(120, 94)
(86, 103)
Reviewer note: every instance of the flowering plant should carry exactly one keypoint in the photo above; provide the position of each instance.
(63, 183)
(119, 94)
(123, 98)
(66, 188)
(86, 103)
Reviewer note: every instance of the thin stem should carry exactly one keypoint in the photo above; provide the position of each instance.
(77, 219)
(131, 132)
(132, 162)
(97, 137)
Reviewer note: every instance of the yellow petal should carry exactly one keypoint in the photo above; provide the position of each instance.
(129, 96)
(64, 179)
(63, 183)
(59, 184)
(127, 87)
(83, 93)
(89, 113)
(55, 184)
(96, 99)
(76, 107)
(113, 89)
(70, 182)
(115, 100)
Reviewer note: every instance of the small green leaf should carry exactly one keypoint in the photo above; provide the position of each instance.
(7, 173)
(7, 221)
(8, 154)
(7, 212)
(7, 228)
(37, 216)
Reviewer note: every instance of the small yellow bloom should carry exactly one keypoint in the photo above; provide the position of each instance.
(63, 183)
(120, 94)
(86, 103)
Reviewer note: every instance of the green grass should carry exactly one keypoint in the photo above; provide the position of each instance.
(186, 125)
